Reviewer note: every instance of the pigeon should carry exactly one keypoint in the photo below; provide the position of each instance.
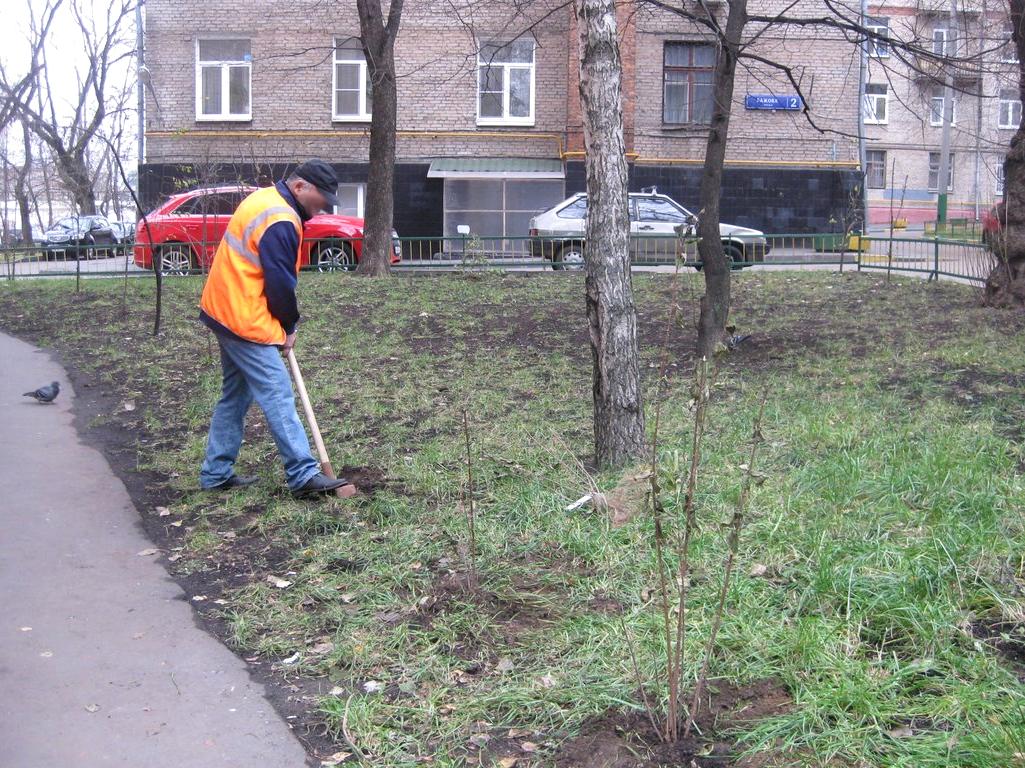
(46, 394)
(737, 339)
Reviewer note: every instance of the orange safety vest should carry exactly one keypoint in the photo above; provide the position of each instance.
(233, 294)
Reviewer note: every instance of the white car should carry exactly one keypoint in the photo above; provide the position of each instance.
(558, 233)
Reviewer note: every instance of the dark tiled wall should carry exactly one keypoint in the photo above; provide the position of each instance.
(419, 205)
(774, 200)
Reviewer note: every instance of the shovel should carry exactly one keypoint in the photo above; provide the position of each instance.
(346, 490)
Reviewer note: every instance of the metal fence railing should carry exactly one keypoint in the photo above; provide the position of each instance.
(933, 257)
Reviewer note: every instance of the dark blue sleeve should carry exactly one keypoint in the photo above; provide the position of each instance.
(279, 248)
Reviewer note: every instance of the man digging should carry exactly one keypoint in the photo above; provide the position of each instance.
(249, 303)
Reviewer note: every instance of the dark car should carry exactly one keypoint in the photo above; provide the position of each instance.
(74, 237)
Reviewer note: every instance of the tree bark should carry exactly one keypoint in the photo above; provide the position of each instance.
(379, 48)
(611, 315)
(1005, 286)
(715, 304)
(22, 189)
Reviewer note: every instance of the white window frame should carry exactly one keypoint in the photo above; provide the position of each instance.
(506, 89)
(869, 107)
(933, 98)
(361, 198)
(364, 114)
(950, 173)
(1008, 105)
(225, 67)
(876, 48)
(998, 186)
(1010, 53)
(941, 33)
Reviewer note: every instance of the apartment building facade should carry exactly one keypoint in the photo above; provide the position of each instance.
(905, 103)
(489, 127)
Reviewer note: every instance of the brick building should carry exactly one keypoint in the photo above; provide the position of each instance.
(904, 108)
(489, 115)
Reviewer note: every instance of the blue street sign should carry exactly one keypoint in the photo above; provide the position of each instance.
(773, 102)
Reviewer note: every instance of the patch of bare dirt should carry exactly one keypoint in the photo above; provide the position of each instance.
(620, 739)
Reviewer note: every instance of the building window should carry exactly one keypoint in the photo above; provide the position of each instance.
(1010, 108)
(934, 172)
(497, 208)
(879, 26)
(223, 79)
(999, 186)
(351, 200)
(937, 106)
(1010, 51)
(505, 83)
(875, 168)
(940, 44)
(687, 70)
(352, 90)
(877, 97)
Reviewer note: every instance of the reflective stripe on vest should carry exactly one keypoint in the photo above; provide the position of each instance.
(234, 290)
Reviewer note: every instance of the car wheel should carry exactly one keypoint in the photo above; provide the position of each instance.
(175, 259)
(570, 256)
(735, 255)
(335, 256)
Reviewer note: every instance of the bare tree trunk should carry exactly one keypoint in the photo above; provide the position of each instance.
(74, 172)
(715, 304)
(379, 49)
(22, 187)
(1005, 286)
(611, 315)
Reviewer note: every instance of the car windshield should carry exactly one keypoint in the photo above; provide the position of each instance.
(575, 210)
(68, 222)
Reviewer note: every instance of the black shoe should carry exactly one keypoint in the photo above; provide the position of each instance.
(319, 483)
(235, 481)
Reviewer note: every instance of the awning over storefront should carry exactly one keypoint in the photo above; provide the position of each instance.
(495, 168)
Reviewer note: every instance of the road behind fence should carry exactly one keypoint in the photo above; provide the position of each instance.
(929, 257)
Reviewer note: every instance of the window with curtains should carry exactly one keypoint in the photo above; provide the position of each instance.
(687, 70)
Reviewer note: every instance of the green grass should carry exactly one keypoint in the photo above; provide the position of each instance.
(891, 521)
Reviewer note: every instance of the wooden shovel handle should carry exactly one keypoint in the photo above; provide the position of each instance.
(325, 463)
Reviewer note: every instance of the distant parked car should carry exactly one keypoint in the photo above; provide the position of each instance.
(87, 236)
(188, 227)
(124, 230)
(558, 233)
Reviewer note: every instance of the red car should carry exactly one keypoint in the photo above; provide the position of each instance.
(188, 227)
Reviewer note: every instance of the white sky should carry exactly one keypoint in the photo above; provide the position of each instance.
(65, 52)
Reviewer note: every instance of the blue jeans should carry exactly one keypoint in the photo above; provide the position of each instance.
(255, 372)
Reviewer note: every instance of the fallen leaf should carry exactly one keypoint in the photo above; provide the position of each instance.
(336, 758)
(547, 681)
(337, 691)
(323, 648)
(148, 552)
(517, 733)
(92, 707)
(129, 405)
(757, 570)
(528, 746)
(347, 597)
(372, 686)
(163, 511)
(177, 524)
(508, 762)
(278, 582)
(901, 732)
(504, 665)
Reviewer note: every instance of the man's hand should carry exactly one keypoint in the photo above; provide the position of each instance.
(289, 343)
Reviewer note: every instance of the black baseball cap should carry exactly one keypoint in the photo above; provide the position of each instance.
(322, 176)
